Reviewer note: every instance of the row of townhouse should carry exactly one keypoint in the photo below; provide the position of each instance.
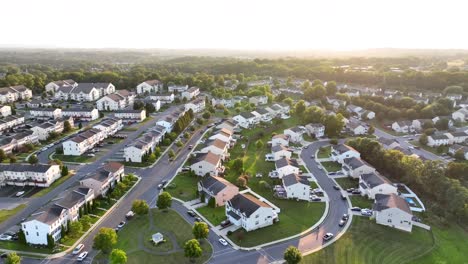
(53, 86)
(145, 144)
(43, 130)
(448, 138)
(130, 115)
(228, 102)
(40, 175)
(57, 113)
(191, 93)
(198, 105)
(149, 87)
(119, 100)
(50, 219)
(86, 140)
(84, 92)
(163, 98)
(250, 119)
(14, 93)
(17, 141)
(389, 208)
(5, 110)
(177, 88)
(10, 122)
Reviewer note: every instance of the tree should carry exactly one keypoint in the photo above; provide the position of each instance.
(105, 239)
(206, 115)
(371, 130)
(241, 182)
(50, 241)
(33, 159)
(75, 228)
(288, 101)
(140, 207)
(64, 171)
(259, 144)
(299, 108)
(459, 155)
(200, 230)
(171, 154)
(423, 139)
(192, 249)
(12, 158)
(331, 88)
(333, 125)
(292, 255)
(21, 237)
(13, 258)
(66, 127)
(118, 256)
(212, 202)
(164, 200)
(86, 222)
(3, 156)
(442, 124)
(80, 126)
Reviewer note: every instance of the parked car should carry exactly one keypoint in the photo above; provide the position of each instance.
(121, 224)
(305, 147)
(91, 155)
(4, 255)
(331, 173)
(129, 215)
(366, 212)
(198, 219)
(14, 236)
(327, 236)
(191, 213)
(160, 186)
(356, 209)
(186, 169)
(20, 193)
(336, 187)
(223, 242)
(345, 217)
(225, 223)
(350, 190)
(356, 191)
(343, 197)
(315, 198)
(190, 147)
(78, 249)
(416, 219)
(342, 222)
(5, 237)
(82, 256)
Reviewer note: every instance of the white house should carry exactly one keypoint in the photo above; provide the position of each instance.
(316, 129)
(12, 143)
(461, 114)
(296, 187)
(393, 210)
(46, 113)
(295, 134)
(14, 93)
(341, 152)
(116, 101)
(245, 119)
(437, 140)
(285, 166)
(131, 115)
(53, 86)
(167, 123)
(135, 151)
(5, 110)
(109, 126)
(177, 88)
(259, 100)
(197, 105)
(355, 167)
(217, 188)
(280, 139)
(265, 116)
(81, 114)
(279, 152)
(373, 183)
(84, 91)
(104, 178)
(228, 103)
(79, 144)
(207, 163)
(149, 86)
(217, 147)
(356, 128)
(44, 129)
(403, 126)
(388, 143)
(191, 93)
(11, 121)
(250, 213)
(457, 137)
(40, 175)
(165, 98)
(456, 148)
(223, 134)
(49, 220)
(418, 124)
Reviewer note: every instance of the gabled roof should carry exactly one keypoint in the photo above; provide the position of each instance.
(355, 163)
(293, 178)
(342, 148)
(262, 111)
(283, 162)
(217, 143)
(71, 199)
(440, 136)
(153, 82)
(208, 157)
(283, 136)
(214, 184)
(373, 179)
(387, 141)
(41, 168)
(278, 148)
(49, 214)
(384, 201)
(246, 204)
(113, 166)
(246, 115)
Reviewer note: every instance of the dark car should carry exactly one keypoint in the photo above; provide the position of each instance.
(225, 223)
(356, 191)
(350, 190)
(343, 197)
(198, 219)
(4, 255)
(336, 187)
(191, 213)
(356, 209)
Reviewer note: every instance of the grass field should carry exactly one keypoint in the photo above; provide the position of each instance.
(347, 182)
(324, 152)
(214, 215)
(184, 186)
(331, 166)
(367, 243)
(5, 214)
(138, 231)
(359, 201)
(77, 159)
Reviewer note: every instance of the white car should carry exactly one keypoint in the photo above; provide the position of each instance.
(82, 256)
(20, 193)
(5, 237)
(223, 242)
(78, 249)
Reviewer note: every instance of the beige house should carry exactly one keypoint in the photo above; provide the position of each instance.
(217, 188)
(104, 178)
(207, 163)
(217, 147)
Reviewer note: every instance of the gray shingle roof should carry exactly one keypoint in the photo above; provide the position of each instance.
(246, 204)
(374, 179)
(384, 201)
(285, 162)
(25, 167)
(342, 148)
(49, 214)
(214, 184)
(354, 163)
(292, 179)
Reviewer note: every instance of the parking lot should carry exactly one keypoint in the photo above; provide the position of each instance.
(11, 191)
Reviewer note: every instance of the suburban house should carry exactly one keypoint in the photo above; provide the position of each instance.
(228, 103)
(259, 100)
(316, 129)
(17, 141)
(223, 134)
(167, 123)
(35, 103)
(459, 148)
(14, 93)
(249, 212)
(217, 188)
(149, 87)
(341, 152)
(373, 183)
(280, 139)
(437, 140)
(295, 134)
(197, 105)
(279, 151)
(177, 88)
(229, 124)
(45, 113)
(109, 126)
(217, 147)
(5, 110)
(11, 121)
(81, 114)
(393, 210)
(39, 175)
(245, 119)
(130, 115)
(104, 178)
(457, 137)
(53, 86)
(447, 118)
(116, 101)
(356, 128)
(136, 150)
(388, 143)
(191, 93)
(355, 167)
(265, 116)
(207, 163)
(296, 187)
(84, 91)
(419, 124)
(403, 126)
(285, 166)
(461, 114)
(165, 98)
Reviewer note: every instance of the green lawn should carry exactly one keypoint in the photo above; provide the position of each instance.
(184, 186)
(331, 166)
(77, 159)
(324, 152)
(359, 201)
(15, 245)
(45, 191)
(214, 215)
(366, 242)
(138, 231)
(5, 214)
(347, 182)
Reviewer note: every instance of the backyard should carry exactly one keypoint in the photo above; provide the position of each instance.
(331, 166)
(324, 152)
(184, 186)
(135, 237)
(347, 182)
(214, 215)
(360, 201)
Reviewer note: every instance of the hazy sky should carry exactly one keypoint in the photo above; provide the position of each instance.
(236, 24)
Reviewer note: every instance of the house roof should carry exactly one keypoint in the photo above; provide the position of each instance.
(246, 115)
(277, 148)
(354, 163)
(100, 175)
(374, 179)
(152, 82)
(384, 201)
(214, 184)
(283, 136)
(353, 125)
(192, 89)
(49, 215)
(71, 199)
(440, 136)
(41, 168)
(283, 162)
(404, 123)
(387, 141)
(262, 111)
(293, 178)
(208, 157)
(246, 204)
(113, 166)
(295, 129)
(342, 148)
(459, 134)
(217, 143)
(44, 109)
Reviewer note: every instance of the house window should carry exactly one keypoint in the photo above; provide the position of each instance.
(37, 233)
(256, 223)
(27, 233)
(257, 216)
(389, 220)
